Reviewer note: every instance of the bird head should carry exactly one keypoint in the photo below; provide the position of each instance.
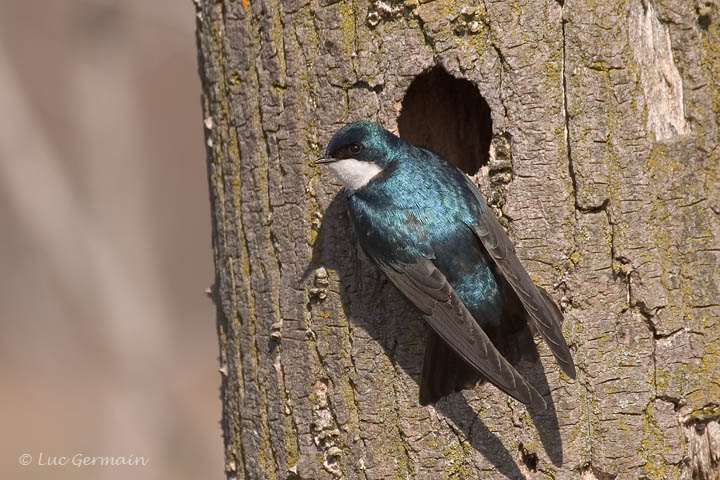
(358, 152)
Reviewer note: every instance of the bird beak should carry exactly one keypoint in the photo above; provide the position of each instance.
(322, 160)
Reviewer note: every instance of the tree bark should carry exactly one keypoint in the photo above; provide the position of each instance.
(595, 138)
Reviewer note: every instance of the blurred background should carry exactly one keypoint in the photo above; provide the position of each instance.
(107, 341)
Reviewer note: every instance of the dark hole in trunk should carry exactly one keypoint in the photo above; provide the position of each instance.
(449, 116)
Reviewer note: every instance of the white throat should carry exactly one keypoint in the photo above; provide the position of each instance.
(354, 173)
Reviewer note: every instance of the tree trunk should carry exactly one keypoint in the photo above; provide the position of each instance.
(592, 128)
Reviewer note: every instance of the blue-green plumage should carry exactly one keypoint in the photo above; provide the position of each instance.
(431, 220)
(430, 231)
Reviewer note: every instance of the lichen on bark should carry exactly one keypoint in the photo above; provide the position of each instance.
(603, 164)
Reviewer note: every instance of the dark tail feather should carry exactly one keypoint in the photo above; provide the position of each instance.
(444, 372)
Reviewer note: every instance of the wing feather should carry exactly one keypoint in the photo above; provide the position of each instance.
(542, 310)
(428, 289)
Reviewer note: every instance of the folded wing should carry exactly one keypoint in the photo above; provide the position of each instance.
(428, 289)
(544, 314)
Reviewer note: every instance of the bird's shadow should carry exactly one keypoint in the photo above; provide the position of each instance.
(372, 303)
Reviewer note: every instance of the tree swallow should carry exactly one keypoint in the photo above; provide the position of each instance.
(429, 230)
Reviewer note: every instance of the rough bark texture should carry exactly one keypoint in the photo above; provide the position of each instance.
(604, 165)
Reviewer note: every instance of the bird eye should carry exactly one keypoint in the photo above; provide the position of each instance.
(355, 148)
